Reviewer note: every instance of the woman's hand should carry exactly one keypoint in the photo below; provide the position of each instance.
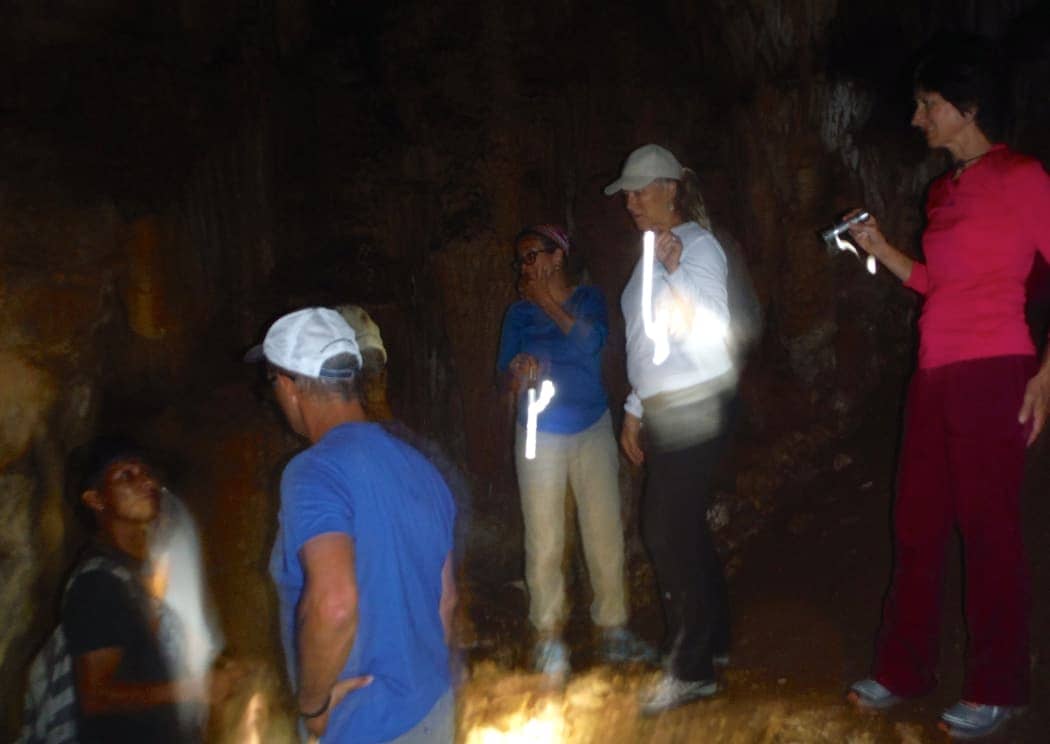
(668, 250)
(868, 235)
(631, 439)
(1036, 403)
(537, 288)
(870, 238)
(523, 368)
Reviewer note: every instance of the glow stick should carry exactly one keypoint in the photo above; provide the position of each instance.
(657, 332)
(536, 406)
(188, 632)
(843, 245)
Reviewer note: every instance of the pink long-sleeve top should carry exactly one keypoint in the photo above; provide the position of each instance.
(982, 233)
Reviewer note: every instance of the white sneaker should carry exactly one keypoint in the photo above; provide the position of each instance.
(669, 692)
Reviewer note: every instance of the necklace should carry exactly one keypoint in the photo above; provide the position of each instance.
(960, 165)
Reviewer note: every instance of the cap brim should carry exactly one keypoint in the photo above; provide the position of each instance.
(629, 184)
(254, 354)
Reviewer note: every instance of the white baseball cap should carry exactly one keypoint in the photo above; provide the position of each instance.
(301, 342)
(643, 166)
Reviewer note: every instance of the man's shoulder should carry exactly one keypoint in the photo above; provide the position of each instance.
(94, 584)
(99, 591)
(341, 444)
(100, 566)
(360, 447)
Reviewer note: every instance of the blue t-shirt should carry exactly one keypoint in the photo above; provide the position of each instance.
(571, 361)
(361, 481)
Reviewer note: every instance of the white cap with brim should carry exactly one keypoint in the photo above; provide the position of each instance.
(643, 166)
(301, 343)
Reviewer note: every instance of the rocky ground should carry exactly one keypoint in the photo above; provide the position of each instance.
(806, 595)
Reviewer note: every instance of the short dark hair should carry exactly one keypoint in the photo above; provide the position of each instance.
(87, 467)
(968, 71)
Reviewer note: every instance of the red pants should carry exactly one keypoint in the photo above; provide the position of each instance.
(961, 465)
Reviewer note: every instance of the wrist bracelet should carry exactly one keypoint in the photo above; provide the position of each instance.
(320, 712)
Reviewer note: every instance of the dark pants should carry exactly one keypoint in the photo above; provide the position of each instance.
(961, 466)
(689, 572)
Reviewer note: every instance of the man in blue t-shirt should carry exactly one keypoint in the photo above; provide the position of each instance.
(362, 559)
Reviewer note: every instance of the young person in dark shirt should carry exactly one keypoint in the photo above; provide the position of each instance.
(125, 689)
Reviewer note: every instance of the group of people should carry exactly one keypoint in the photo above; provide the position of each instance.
(363, 559)
(978, 399)
(556, 332)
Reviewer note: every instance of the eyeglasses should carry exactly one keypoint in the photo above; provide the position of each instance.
(528, 258)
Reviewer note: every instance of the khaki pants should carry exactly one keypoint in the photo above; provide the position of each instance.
(589, 462)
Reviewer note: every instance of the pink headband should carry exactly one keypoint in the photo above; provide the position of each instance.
(555, 233)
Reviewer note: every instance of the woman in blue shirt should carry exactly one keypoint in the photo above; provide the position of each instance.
(556, 332)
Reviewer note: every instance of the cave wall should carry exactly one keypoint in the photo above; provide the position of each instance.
(177, 174)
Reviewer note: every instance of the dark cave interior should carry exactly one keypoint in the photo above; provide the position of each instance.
(176, 175)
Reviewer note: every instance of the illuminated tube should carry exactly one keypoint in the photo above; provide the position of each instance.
(655, 331)
(536, 406)
(870, 264)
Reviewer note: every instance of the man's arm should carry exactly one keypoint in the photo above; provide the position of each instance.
(449, 598)
(327, 616)
(99, 693)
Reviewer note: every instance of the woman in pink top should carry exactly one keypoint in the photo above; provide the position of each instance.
(978, 398)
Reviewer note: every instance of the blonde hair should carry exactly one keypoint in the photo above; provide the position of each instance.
(688, 201)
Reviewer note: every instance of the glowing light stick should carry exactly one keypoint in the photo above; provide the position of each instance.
(187, 629)
(536, 406)
(656, 331)
(870, 264)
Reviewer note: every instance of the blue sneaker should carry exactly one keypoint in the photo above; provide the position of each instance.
(871, 695)
(966, 720)
(551, 657)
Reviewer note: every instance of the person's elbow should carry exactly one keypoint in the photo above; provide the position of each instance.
(334, 610)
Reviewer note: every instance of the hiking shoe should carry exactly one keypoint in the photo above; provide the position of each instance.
(620, 646)
(669, 692)
(966, 720)
(871, 695)
(551, 657)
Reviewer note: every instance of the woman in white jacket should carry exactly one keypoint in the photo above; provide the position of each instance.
(682, 376)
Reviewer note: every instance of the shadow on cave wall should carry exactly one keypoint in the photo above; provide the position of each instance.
(178, 174)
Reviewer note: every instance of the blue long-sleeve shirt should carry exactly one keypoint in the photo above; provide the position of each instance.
(571, 361)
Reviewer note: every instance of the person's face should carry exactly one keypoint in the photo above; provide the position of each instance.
(940, 121)
(533, 258)
(651, 207)
(129, 492)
